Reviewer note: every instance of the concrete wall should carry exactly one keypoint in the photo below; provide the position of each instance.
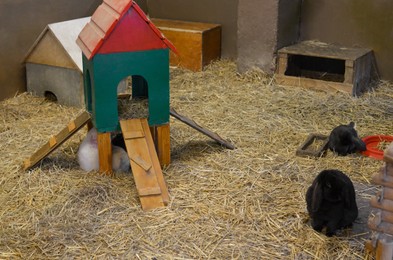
(223, 12)
(289, 12)
(263, 27)
(21, 21)
(362, 23)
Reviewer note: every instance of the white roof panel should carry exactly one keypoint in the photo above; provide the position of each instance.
(67, 32)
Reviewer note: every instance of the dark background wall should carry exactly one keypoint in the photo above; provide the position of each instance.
(289, 12)
(252, 30)
(358, 23)
(21, 22)
(223, 12)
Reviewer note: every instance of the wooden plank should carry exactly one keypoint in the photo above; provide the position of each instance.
(380, 179)
(142, 163)
(182, 25)
(199, 128)
(133, 134)
(149, 191)
(197, 44)
(52, 141)
(384, 248)
(324, 50)
(143, 179)
(306, 148)
(156, 163)
(383, 204)
(71, 126)
(348, 76)
(211, 45)
(163, 144)
(313, 84)
(282, 63)
(60, 138)
(105, 153)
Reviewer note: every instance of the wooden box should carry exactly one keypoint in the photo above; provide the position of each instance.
(197, 43)
(323, 66)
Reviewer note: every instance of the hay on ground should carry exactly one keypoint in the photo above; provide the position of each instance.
(247, 203)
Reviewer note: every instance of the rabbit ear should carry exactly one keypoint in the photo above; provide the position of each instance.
(317, 197)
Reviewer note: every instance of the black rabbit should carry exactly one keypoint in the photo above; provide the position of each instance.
(331, 202)
(344, 140)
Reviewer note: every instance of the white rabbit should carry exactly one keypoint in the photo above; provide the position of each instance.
(88, 154)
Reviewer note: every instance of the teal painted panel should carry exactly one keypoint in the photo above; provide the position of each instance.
(107, 70)
(87, 82)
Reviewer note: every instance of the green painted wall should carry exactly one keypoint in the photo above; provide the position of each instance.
(107, 70)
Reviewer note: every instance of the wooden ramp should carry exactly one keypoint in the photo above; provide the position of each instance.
(202, 130)
(149, 180)
(56, 140)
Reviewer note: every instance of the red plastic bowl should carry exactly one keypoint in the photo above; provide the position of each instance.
(372, 143)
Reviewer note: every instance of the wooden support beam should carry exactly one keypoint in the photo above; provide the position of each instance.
(163, 144)
(105, 153)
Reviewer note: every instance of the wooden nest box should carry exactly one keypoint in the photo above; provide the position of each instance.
(54, 64)
(324, 66)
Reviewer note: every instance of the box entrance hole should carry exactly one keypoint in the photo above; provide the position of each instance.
(326, 69)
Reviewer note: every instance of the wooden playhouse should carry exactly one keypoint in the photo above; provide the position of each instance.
(54, 63)
(120, 41)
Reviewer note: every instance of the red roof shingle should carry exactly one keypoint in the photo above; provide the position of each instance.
(138, 33)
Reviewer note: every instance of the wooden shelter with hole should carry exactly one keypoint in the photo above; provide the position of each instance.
(326, 67)
(118, 42)
(54, 63)
(121, 42)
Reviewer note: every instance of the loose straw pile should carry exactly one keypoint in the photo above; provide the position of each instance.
(247, 203)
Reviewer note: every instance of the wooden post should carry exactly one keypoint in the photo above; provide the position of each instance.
(163, 144)
(282, 63)
(384, 250)
(105, 152)
(348, 74)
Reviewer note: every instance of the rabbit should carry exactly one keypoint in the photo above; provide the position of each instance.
(118, 140)
(331, 202)
(88, 154)
(344, 140)
(120, 159)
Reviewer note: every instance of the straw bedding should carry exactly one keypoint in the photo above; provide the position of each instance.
(247, 203)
